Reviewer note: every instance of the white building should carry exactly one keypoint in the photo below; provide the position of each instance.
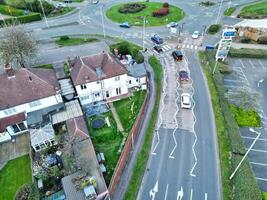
(27, 95)
(137, 77)
(98, 77)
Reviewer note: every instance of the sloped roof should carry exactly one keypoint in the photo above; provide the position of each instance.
(26, 86)
(77, 128)
(13, 119)
(137, 70)
(41, 135)
(95, 67)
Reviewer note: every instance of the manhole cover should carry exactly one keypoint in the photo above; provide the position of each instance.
(98, 123)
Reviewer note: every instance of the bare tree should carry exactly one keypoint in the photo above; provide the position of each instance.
(17, 46)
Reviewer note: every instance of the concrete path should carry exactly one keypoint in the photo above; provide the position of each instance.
(249, 46)
(58, 67)
(116, 117)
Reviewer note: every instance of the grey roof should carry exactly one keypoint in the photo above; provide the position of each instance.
(69, 188)
(136, 70)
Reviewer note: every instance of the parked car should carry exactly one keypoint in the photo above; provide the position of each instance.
(185, 100)
(195, 35)
(172, 24)
(95, 1)
(67, 1)
(158, 49)
(125, 25)
(183, 76)
(177, 55)
(157, 39)
(61, 5)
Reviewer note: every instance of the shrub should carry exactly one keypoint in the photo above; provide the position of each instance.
(262, 39)
(207, 3)
(248, 53)
(132, 8)
(64, 37)
(22, 19)
(165, 5)
(161, 12)
(245, 40)
(214, 28)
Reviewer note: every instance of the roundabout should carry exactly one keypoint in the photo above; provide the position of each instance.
(135, 17)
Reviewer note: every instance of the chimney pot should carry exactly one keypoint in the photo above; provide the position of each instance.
(9, 70)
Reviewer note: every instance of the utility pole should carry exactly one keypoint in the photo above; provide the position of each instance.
(204, 30)
(258, 135)
(214, 69)
(182, 28)
(219, 12)
(46, 22)
(144, 32)
(102, 17)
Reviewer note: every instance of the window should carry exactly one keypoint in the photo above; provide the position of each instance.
(97, 94)
(15, 128)
(130, 81)
(118, 91)
(35, 103)
(83, 86)
(137, 80)
(37, 147)
(10, 111)
(22, 126)
(107, 94)
(97, 82)
(83, 98)
(117, 78)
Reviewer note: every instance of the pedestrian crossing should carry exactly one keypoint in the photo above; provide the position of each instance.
(188, 46)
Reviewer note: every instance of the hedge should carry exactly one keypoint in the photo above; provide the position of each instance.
(248, 53)
(232, 149)
(214, 28)
(8, 10)
(22, 19)
(132, 8)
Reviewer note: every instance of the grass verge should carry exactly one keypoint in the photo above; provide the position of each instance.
(8, 10)
(143, 155)
(254, 11)
(245, 118)
(74, 41)
(229, 11)
(14, 175)
(106, 140)
(129, 108)
(136, 19)
(248, 53)
(231, 146)
(46, 66)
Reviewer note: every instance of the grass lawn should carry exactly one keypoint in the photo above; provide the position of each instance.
(229, 11)
(46, 66)
(107, 140)
(129, 108)
(247, 118)
(264, 195)
(254, 11)
(74, 41)
(8, 10)
(143, 155)
(16, 173)
(136, 19)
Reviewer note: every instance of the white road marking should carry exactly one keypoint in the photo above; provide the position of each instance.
(180, 194)
(187, 46)
(192, 46)
(191, 194)
(251, 64)
(261, 179)
(183, 45)
(153, 191)
(260, 81)
(243, 71)
(166, 192)
(261, 164)
(261, 64)
(195, 47)
(253, 138)
(258, 150)
(231, 80)
(206, 196)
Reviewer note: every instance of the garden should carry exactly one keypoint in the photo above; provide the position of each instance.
(254, 11)
(156, 14)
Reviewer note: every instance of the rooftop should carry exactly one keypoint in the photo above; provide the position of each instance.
(137, 70)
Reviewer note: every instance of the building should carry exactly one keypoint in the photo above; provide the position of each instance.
(27, 97)
(98, 77)
(137, 76)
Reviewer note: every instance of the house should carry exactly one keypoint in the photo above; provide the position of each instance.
(137, 76)
(27, 97)
(98, 77)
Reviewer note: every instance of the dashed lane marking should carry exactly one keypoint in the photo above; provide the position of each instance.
(256, 163)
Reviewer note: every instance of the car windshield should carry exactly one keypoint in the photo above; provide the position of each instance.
(196, 33)
(183, 74)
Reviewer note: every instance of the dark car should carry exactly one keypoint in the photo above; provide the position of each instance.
(157, 39)
(125, 25)
(177, 55)
(67, 1)
(158, 49)
(183, 76)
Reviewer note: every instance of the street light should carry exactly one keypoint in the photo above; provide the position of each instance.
(219, 12)
(204, 30)
(258, 135)
(144, 32)
(182, 28)
(103, 25)
(44, 13)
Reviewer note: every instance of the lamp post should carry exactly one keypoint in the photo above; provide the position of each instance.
(102, 17)
(44, 13)
(182, 28)
(219, 12)
(204, 30)
(258, 135)
(144, 32)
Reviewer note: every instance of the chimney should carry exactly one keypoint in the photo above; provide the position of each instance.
(9, 70)
(116, 52)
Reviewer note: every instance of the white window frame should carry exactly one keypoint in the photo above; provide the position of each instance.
(35, 103)
(117, 78)
(10, 111)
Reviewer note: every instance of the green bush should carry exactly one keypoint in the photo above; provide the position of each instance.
(22, 19)
(64, 37)
(8, 10)
(132, 8)
(128, 48)
(248, 53)
(247, 118)
(214, 28)
(262, 39)
(207, 3)
(229, 11)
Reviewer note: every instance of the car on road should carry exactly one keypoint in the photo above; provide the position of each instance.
(177, 55)
(125, 25)
(195, 35)
(183, 76)
(158, 49)
(185, 100)
(157, 39)
(61, 5)
(67, 1)
(172, 24)
(95, 1)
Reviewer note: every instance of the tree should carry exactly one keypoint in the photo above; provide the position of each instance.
(17, 47)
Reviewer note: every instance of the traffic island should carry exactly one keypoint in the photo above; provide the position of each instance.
(156, 14)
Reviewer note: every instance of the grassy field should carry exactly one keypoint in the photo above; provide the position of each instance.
(74, 41)
(143, 155)
(16, 173)
(46, 66)
(128, 109)
(136, 19)
(107, 140)
(246, 118)
(229, 11)
(254, 11)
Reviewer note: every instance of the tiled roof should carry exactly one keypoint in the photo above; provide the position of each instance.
(95, 67)
(77, 128)
(4, 122)
(26, 86)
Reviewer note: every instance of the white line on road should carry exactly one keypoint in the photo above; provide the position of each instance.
(191, 194)
(261, 164)
(195, 47)
(187, 46)
(206, 196)
(258, 150)
(231, 80)
(183, 46)
(253, 138)
(192, 46)
(261, 179)
(166, 192)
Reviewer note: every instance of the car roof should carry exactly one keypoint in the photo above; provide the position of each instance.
(196, 32)
(183, 73)
(186, 98)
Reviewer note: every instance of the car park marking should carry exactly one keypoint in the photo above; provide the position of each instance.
(206, 196)
(261, 179)
(261, 164)
(183, 46)
(187, 46)
(261, 64)
(258, 150)
(253, 138)
(192, 46)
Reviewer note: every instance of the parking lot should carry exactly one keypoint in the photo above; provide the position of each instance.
(251, 74)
